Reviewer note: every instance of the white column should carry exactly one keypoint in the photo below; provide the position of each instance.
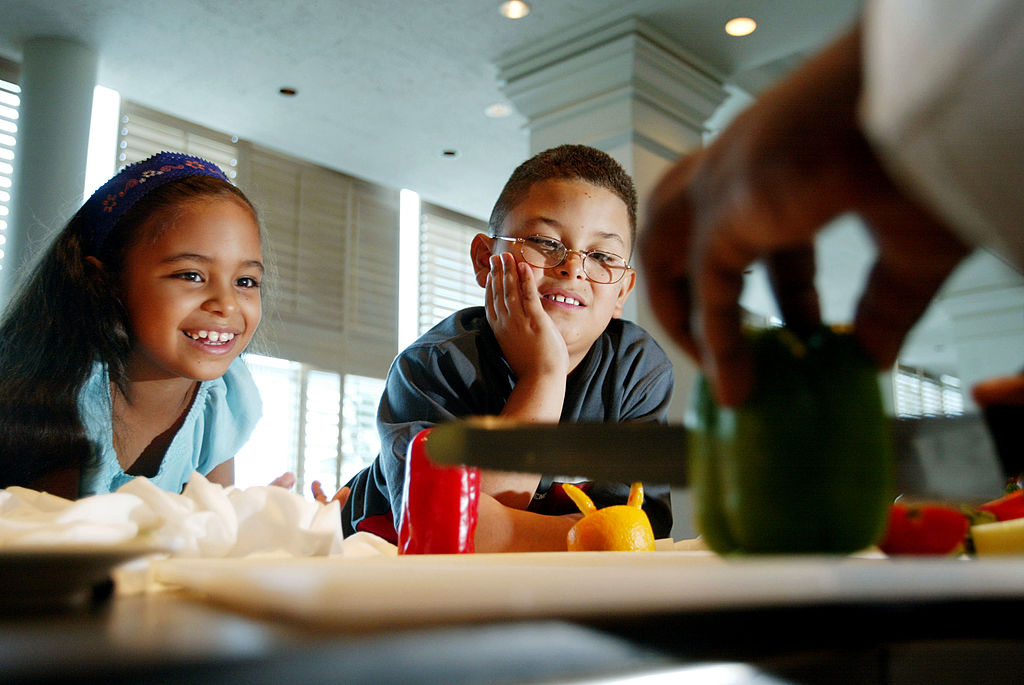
(627, 90)
(58, 77)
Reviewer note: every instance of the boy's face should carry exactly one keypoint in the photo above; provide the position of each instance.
(583, 217)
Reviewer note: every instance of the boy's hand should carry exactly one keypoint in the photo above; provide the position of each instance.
(528, 337)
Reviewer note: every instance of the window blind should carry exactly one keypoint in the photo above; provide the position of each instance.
(447, 282)
(917, 392)
(145, 132)
(332, 241)
(10, 99)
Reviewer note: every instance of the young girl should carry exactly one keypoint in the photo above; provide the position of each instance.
(118, 356)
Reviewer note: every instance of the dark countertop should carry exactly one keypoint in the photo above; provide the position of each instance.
(167, 637)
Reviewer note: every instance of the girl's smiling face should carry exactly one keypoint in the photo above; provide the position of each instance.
(193, 293)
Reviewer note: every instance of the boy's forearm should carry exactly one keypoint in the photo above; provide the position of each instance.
(510, 488)
(504, 529)
(536, 399)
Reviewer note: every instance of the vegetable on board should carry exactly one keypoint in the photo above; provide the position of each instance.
(439, 506)
(805, 465)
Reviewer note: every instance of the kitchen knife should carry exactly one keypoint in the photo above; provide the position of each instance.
(941, 458)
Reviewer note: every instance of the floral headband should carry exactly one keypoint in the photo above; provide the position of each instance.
(104, 209)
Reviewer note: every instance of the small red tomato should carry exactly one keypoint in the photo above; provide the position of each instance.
(1007, 507)
(923, 529)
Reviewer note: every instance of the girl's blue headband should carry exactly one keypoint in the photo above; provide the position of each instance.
(104, 209)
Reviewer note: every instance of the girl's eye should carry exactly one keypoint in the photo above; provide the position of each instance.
(193, 276)
(247, 282)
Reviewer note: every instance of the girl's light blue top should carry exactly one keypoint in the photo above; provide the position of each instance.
(220, 420)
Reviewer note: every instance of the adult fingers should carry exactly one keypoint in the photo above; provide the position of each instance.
(663, 247)
(718, 319)
(891, 304)
(915, 256)
(997, 391)
(791, 274)
(670, 300)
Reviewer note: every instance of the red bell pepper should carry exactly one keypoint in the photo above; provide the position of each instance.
(924, 529)
(1007, 507)
(439, 506)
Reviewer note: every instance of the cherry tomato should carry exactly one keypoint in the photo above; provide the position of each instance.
(922, 529)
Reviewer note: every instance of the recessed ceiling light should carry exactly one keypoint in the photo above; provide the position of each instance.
(450, 153)
(287, 92)
(498, 110)
(740, 26)
(514, 9)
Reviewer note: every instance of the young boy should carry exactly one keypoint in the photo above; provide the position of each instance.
(548, 346)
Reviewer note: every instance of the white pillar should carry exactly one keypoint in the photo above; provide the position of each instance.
(58, 77)
(628, 90)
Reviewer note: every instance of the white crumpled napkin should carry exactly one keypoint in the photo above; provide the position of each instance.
(206, 521)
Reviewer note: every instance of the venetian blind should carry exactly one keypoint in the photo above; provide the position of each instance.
(333, 241)
(10, 99)
(145, 132)
(920, 393)
(447, 282)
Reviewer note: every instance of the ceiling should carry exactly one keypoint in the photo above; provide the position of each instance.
(385, 86)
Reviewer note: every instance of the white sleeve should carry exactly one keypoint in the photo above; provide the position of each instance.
(943, 104)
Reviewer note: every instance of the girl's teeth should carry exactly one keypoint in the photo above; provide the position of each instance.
(561, 298)
(212, 336)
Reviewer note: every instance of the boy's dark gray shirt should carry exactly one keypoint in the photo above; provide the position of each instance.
(457, 369)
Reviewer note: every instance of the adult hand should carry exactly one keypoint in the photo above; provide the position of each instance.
(1000, 391)
(761, 191)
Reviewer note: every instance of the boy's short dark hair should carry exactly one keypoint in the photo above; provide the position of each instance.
(574, 162)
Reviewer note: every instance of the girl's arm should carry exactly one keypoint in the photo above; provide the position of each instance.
(223, 473)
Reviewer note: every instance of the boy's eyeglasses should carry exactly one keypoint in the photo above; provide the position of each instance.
(547, 253)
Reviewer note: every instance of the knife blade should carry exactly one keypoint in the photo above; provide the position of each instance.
(941, 458)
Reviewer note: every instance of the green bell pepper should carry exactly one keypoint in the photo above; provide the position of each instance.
(805, 465)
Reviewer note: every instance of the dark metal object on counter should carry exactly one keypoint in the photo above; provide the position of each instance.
(952, 458)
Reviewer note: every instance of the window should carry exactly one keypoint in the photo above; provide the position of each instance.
(10, 99)
(359, 440)
(447, 282)
(920, 393)
(312, 425)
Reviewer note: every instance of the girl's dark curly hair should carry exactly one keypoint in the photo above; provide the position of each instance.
(66, 316)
